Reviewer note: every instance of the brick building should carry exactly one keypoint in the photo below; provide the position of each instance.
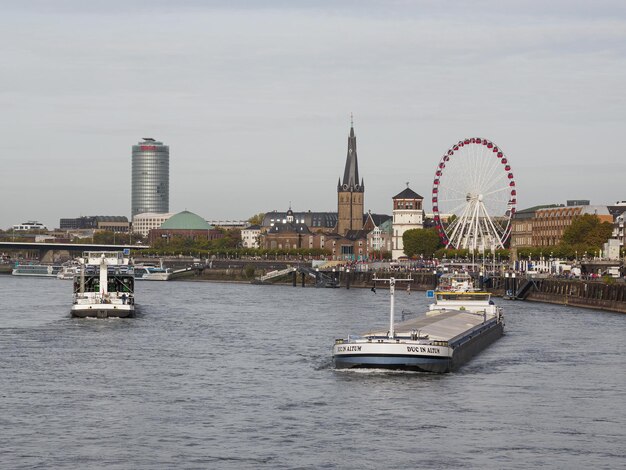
(549, 224)
(522, 226)
(288, 234)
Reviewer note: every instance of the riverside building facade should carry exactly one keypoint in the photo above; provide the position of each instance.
(549, 224)
(143, 223)
(150, 177)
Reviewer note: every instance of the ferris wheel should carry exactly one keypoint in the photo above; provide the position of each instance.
(474, 196)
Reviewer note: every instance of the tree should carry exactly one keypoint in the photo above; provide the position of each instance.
(587, 230)
(421, 242)
(257, 219)
(451, 219)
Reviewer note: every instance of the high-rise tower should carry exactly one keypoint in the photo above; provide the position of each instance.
(150, 177)
(349, 192)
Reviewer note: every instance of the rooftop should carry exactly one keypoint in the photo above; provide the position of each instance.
(408, 193)
(185, 220)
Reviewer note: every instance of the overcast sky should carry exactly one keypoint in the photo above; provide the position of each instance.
(254, 99)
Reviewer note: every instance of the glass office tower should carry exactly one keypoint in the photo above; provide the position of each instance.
(151, 177)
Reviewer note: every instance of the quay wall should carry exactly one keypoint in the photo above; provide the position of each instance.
(586, 294)
(421, 281)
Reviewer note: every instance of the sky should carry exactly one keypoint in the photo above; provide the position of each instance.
(254, 99)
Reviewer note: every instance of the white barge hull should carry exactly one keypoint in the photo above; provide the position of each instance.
(393, 355)
(102, 311)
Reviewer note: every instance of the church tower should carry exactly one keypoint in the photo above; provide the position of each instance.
(349, 192)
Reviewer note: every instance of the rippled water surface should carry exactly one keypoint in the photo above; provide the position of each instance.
(239, 376)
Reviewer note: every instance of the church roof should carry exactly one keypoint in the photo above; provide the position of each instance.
(378, 219)
(314, 220)
(408, 193)
(356, 235)
(185, 220)
(289, 227)
(387, 225)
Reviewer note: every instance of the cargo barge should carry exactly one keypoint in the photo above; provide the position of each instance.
(461, 322)
(104, 286)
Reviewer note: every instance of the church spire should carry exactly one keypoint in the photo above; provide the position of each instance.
(350, 193)
(351, 173)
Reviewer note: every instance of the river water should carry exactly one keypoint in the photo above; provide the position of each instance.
(239, 376)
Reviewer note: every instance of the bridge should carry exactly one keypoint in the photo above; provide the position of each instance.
(46, 250)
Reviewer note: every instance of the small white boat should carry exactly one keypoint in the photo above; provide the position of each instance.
(104, 286)
(455, 291)
(460, 323)
(68, 272)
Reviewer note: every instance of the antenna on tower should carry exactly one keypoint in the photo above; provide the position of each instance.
(351, 120)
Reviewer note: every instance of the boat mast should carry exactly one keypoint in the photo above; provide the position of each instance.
(392, 288)
(104, 288)
(82, 276)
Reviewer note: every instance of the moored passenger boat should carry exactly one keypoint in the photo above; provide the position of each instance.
(152, 273)
(104, 286)
(460, 323)
(38, 270)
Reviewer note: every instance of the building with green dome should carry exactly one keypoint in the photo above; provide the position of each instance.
(185, 224)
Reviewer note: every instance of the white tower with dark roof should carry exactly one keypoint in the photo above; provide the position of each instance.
(407, 215)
